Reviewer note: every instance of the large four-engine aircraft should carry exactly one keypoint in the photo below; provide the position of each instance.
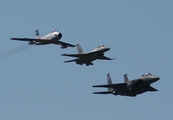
(129, 88)
(88, 57)
(51, 38)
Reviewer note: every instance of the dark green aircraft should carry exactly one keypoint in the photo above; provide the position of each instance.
(130, 88)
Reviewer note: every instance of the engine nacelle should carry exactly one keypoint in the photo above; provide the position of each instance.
(64, 46)
(32, 42)
(100, 54)
(131, 84)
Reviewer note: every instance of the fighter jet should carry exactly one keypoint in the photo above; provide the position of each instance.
(51, 38)
(88, 57)
(130, 88)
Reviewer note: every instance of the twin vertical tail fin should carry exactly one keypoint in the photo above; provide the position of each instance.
(110, 90)
(37, 34)
(109, 81)
(79, 49)
(126, 79)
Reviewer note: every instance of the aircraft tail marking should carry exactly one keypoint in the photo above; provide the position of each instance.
(126, 78)
(37, 34)
(79, 49)
(109, 81)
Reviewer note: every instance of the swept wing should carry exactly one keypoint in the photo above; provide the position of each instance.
(75, 55)
(54, 40)
(63, 43)
(24, 39)
(118, 85)
(152, 89)
(85, 54)
(105, 58)
(104, 92)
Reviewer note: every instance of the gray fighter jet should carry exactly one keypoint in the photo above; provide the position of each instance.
(88, 57)
(130, 88)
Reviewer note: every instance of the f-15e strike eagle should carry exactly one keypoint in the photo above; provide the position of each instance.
(51, 38)
(88, 57)
(129, 88)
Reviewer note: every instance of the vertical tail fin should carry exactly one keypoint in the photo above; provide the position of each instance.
(37, 34)
(79, 49)
(109, 81)
(126, 78)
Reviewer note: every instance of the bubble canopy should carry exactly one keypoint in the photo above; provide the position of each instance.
(54, 31)
(100, 46)
(146, 74)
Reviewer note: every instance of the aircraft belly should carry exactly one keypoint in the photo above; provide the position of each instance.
(87, 59)
(42, 43)
(134, 91)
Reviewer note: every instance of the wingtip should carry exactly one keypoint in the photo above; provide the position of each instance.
(63, 54)
(113, 58)
(12, 38)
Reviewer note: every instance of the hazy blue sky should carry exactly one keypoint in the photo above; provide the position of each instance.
(35, 84)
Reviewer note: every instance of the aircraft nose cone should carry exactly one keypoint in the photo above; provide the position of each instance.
(155, 78)
(107, 48)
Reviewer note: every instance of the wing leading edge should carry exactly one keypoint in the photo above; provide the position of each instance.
(112, 85)
(25, 39)
(54, 40)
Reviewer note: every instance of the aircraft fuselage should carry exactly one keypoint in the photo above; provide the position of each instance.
(52, 35)
(89, 58)
(138, 86)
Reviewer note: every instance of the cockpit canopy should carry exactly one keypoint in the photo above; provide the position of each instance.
(54, 31)
(100, 46)
(146, 74)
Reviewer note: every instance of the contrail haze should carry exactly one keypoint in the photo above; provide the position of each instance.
(9, 53)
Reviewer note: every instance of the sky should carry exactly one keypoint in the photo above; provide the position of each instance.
(35, 84)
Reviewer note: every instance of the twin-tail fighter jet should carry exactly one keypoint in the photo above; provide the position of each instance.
(88, 57)
(51, 38)
(130, 88)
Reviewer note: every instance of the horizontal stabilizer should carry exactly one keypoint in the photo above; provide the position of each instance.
(152, 89)
(70, 61)
(104, 92)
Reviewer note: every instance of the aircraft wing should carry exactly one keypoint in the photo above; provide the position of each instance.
(24, 39)
(31, 39)
(103, 92)
(118, 85)
(63, 43)
(75, 55)
(79, 55)
(105, 58)
(70, 61)
(152, 89)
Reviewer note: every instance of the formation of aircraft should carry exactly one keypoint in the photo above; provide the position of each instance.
(129, 88)
(87, 57)
(51, 38)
